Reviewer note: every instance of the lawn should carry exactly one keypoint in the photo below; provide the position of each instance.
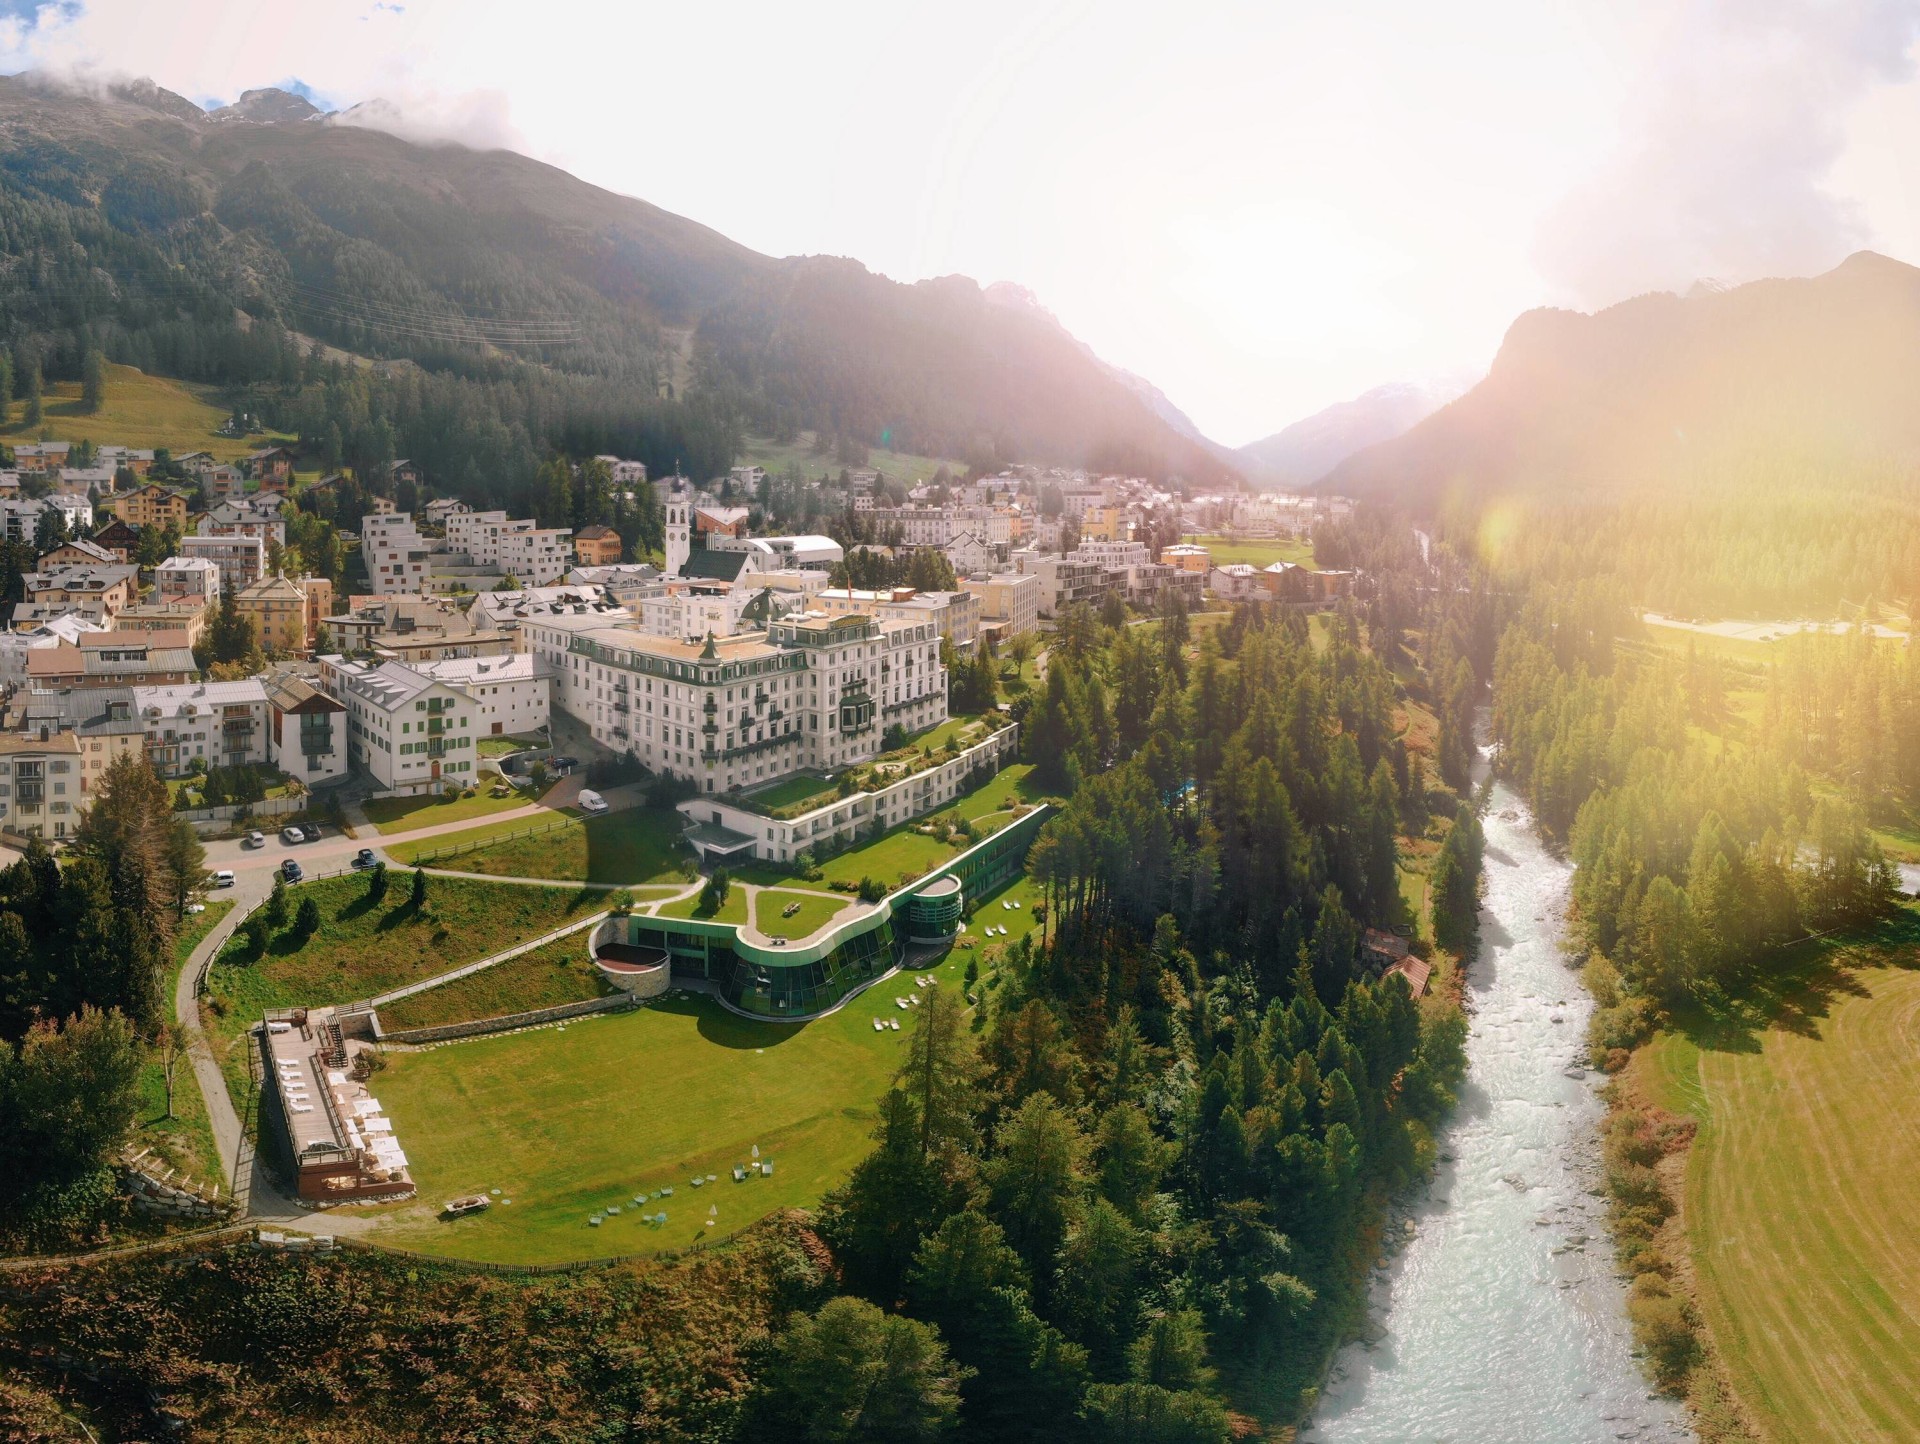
(362, 950)
(140, 411)
(633, 846)
(565, 1122)
(1256, 551)
(814, 912)
(733, 910)
(1799, 1193)
(560, 972)
(799, 788)
(184, 1141)
(404, 814)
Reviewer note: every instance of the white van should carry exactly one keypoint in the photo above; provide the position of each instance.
(223, 878)
(591, 801)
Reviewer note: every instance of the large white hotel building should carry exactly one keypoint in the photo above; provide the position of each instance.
(810, 691)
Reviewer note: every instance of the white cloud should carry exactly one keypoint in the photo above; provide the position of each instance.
(1726, 155)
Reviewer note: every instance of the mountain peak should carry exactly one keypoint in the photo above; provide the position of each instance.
(1818, 372)
(268, 105)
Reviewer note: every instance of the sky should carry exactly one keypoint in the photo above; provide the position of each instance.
(1263, 208)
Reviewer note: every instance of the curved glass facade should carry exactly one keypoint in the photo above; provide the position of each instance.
(799, 982)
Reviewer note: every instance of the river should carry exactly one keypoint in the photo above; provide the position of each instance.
(1498, 1319)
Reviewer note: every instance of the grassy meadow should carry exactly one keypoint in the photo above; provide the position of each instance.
(566, 1121)
(897, 465)
(140, 411)
(1800, 1184)
(634, 846)
(1255, 551)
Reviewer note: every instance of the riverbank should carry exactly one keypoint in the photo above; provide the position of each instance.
(1502, 1258)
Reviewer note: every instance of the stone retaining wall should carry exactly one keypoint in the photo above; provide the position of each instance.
(511, 1021)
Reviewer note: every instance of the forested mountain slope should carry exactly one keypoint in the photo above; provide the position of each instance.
(1761, 385)
(186, 244)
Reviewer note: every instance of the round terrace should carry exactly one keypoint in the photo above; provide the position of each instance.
(646, 972)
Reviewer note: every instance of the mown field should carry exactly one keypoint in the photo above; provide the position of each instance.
(1255, 551)
(1800, 1191)
(565, 1121)
(140, 411)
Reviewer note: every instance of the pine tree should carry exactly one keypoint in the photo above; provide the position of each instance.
(93, 381)
(36, 387)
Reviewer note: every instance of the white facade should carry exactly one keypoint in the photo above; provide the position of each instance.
(845, 819)
(223, 724)
(408, 731)
(186, 579)
(810, 692)
(784, 553)
(510, 694)
(522, 549)
(242, 559)
(25, 518)
(397, 557)
(679, 537)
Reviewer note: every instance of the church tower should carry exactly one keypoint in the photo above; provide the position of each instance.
(679, 534)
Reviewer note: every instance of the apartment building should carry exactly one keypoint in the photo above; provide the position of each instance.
(40, 784)
(596, 546)
(152, 505)
(409, 732)
(1009, 601)
(397, 557)
(306, 730)
(259, 516)
(504, 612)
(221, 724)
(186, 579)
(534, 555)
(114, 659)
(511, 694)
(810, 691)
(188, 618)
(954, 615)
(242, 560)
(95, 590)
(413, 629)
(103, 718)
(277, 607)
(1065, 581)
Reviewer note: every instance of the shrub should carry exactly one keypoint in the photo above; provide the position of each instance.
(306, 922)
(377, 884)
(417, 898)
(1661, 1328)
(872, 889)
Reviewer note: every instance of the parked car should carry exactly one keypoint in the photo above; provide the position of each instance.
(290, 870)
(562, 764)
(292, 835)
(591, 801)
(223, 878)
(365, 859)
(311, 832)
(254, 839)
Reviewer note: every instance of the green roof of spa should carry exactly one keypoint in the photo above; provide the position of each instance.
(1016, 835)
